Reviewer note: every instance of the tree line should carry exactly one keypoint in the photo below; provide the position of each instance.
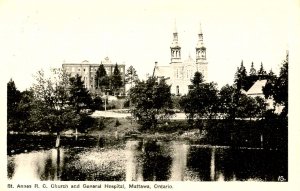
(60, 101)
(153, 102)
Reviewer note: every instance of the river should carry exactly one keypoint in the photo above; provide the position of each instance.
(32, 157)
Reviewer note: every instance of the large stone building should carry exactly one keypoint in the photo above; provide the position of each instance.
(179, 73)
(87, 71)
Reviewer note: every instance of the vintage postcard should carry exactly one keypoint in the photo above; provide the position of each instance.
(149, 95)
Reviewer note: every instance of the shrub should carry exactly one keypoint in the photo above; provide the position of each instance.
(117, 123)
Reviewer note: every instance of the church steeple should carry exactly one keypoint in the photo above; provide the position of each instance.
(200, 48)
(175, 47)
(200, 38)
(201, 62)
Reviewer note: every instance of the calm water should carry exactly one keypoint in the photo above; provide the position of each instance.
(92, 158)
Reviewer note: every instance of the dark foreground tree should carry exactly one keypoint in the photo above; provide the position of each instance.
(151, 102)
(277, 87)
(79, 95)
(131, 76)
(201, 101)
(101, 79)
(13, 101)
(249, 107)
(226, 104)
(51, 110)
(116, 80)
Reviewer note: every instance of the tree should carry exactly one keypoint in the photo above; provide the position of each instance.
(97, 104)
(116, 80)
(261, 71)
(226, 105)
(271, 74)
(197, 80)
(252, 70)
(201, 101)
(246, 107)
(13, 100)
(24, 110)
(101, 78)
(240, 77)
(261, 106)
(51, 110)
(79, 95)
(131, 76)
(151, 102)
(277, 87)
(249, 107)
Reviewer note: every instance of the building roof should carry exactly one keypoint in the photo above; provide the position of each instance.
(160, 71)
(257, 88)
(106, 62)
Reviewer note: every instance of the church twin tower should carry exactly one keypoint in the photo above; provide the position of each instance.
(183, 71)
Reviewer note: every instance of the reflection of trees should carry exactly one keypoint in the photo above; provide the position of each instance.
(156, 163)
(53, 166)
(199, 161)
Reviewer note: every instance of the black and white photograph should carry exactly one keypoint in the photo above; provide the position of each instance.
(146, 94)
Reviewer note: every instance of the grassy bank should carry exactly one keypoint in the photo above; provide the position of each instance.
(240, 133)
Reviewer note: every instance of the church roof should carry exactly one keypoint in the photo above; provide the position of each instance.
(162, 71)
(257, 88)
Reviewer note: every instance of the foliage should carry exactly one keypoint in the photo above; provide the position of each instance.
(117, 123)
(18, 107)
(101, 78)
(226, 104)
(240, 77)
(118, 104)
(261, 71)
(80, 97)
(152, 102)
(252, 70)
(97, 104)
(277, 87)
(201, 101)
(24, 110)
(116, 80)
(232, 104)
(249, 107)
(51, 110)
(131, 76)
(13, 100)
(176, 102)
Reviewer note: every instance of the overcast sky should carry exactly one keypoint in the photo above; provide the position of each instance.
(43, 34)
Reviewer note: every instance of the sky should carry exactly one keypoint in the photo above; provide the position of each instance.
(42, 34)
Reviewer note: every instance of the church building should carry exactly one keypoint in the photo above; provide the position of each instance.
(179, 73)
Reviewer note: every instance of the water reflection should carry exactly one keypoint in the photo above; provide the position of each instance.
(146, 160)
(180, 153)
(42, 165)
